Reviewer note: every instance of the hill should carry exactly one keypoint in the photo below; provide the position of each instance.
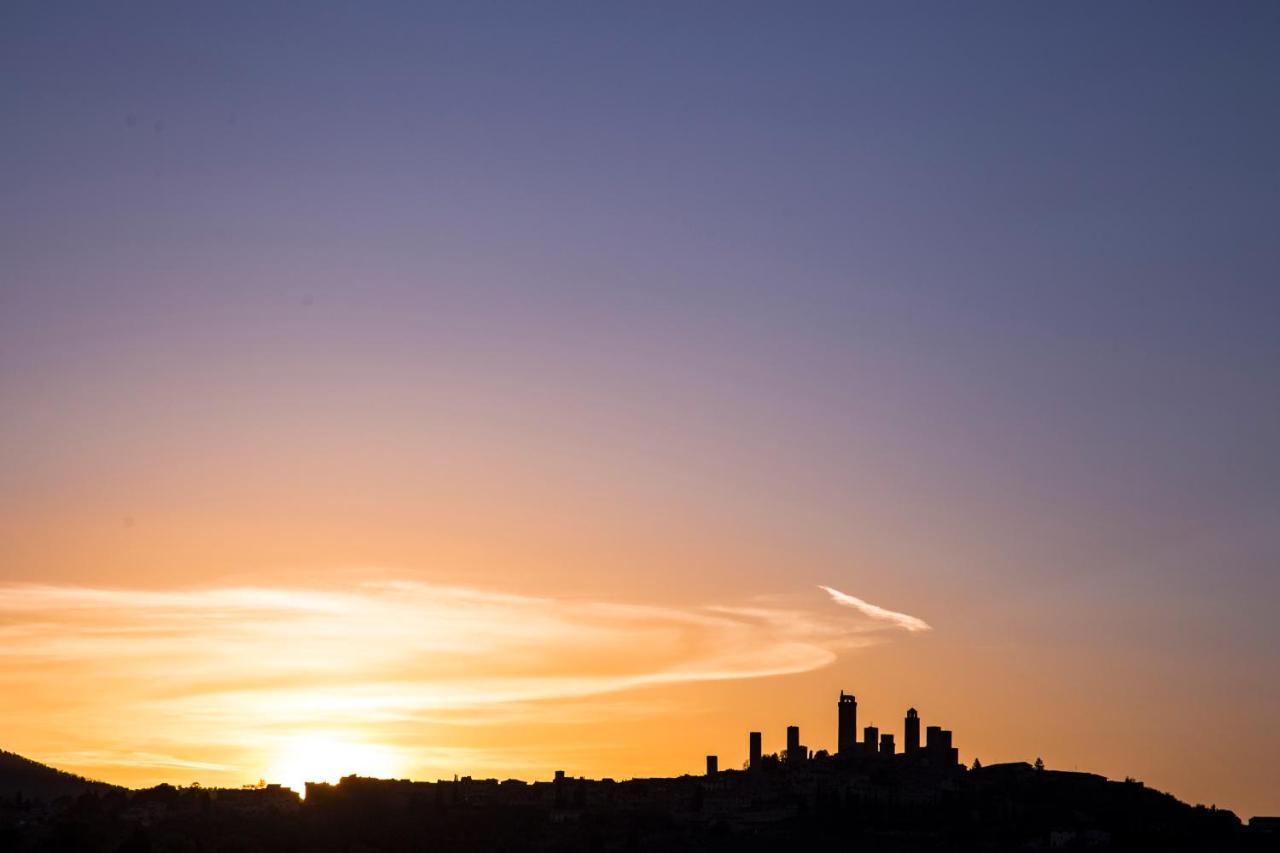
(863, 803)
(36, 781)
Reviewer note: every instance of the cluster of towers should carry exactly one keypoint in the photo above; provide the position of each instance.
(936, 750)
(937, 746)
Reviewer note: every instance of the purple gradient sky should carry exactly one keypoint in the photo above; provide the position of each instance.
(973, 311)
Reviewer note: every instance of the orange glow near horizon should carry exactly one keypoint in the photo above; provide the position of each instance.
(386, 675)
(327, 757)
(379, 677)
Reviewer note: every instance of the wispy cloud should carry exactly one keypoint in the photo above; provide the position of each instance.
(242, 667)
(902, 620)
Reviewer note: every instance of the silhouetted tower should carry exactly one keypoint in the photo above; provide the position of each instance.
(886, 744)
(911, 733)
(755, 751)
(561, 788)
(938, 746)
(870, 739)
(713, 765)
(847, 740)
(932, 739)
(793, 744)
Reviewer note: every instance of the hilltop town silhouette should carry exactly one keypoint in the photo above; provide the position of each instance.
(866, 796)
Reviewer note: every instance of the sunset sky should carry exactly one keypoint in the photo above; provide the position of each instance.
(496, 388)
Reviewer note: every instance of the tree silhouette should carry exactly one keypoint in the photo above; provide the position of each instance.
(1039, 765)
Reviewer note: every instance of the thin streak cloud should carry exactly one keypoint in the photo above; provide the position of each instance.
(902, 620)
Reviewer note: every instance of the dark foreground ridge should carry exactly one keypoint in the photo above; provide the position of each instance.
(865, 797)
(36, 781)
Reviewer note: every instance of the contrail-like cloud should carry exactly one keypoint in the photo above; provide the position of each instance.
(902, 620)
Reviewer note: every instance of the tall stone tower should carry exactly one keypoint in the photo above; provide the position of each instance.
(847, 738)
(794, 751)
(911, 733)
(871, 740)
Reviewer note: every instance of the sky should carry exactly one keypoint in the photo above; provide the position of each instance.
(496, 388)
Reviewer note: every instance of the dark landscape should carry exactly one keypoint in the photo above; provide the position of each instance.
(865, 796)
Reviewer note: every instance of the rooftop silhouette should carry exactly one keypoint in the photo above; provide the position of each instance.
(866, 795)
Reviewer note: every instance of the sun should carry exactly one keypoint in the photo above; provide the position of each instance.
(327, 757)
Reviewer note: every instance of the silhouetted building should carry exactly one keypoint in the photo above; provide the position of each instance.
(755, 751)
(950, 755)
(875, 801)
(847, 739)
(938, 746)
(911, 733)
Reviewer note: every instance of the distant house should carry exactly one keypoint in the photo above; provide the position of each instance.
(1265, 825)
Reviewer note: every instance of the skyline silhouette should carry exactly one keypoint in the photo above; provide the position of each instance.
(865, 790)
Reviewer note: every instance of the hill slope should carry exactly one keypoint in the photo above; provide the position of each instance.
(39, 782)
